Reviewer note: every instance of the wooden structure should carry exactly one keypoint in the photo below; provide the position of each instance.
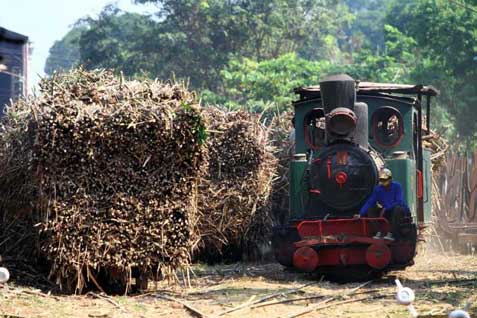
(13, 66)
(456, 207)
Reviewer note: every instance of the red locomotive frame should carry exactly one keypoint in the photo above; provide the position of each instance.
(345, 242)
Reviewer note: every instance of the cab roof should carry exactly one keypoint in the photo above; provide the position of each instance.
(370, 87)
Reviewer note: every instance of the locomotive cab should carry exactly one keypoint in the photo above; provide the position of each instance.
(345, 132)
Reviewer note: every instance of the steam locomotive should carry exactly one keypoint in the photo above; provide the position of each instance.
(345, 132)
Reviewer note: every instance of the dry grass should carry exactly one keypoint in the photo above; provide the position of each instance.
(441, 282)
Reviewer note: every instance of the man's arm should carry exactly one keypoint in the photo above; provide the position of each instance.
(372, 200)
(400, 198)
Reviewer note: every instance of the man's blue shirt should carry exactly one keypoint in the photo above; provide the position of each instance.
(388, 198)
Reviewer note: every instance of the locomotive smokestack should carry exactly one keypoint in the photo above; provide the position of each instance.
(338, 97)
(338, 91)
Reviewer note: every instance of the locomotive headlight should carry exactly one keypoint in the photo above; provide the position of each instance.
(341, 121)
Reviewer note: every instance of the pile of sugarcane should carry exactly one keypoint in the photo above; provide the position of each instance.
(283, 148)
(109, 170)
(439, 146)
(234, 203)
(110, 179)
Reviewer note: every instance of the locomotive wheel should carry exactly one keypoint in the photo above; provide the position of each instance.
(283, 240)
(306, 259)
(378, 256)
(403, 253)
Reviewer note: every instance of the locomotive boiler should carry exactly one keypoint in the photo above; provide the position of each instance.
(345, 132)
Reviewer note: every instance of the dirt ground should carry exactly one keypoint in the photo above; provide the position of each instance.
(441, 283)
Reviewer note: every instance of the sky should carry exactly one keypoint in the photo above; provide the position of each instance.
(45, 21)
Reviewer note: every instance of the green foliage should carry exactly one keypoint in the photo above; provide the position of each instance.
(445, 32)
(121, 41)
(65, 53)
(367, 29)
(196, 39)
(269, 83)
(394, 64)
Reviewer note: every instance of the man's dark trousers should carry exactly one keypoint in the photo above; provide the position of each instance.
(395, 217)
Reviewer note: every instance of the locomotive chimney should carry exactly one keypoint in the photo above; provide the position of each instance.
(338, 91)
(338, 97)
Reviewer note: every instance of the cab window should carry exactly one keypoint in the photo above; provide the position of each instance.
(388, 128)
(314, 126)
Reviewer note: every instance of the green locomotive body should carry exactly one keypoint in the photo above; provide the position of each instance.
(338, 153)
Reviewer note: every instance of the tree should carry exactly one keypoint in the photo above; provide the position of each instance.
(203, 35)
(445, 32)
(123, 41)
(395, 63)
(196, 39)
(268, 84)
(65, 53)
(367, 28)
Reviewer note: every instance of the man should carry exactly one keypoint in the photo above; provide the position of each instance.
(393, 207)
